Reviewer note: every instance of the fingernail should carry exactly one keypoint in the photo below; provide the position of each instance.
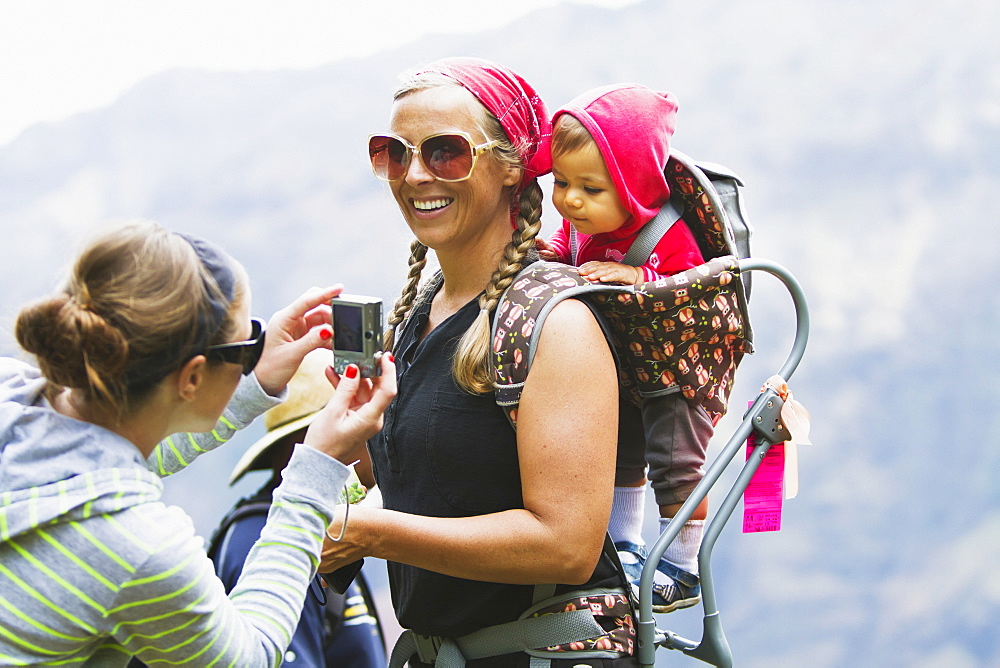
(391, 358)
(326, 333)
(351, 371)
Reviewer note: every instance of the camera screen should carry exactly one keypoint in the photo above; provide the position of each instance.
(347, 329)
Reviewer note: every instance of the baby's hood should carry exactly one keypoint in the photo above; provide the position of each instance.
(56, 469)
(632, 126)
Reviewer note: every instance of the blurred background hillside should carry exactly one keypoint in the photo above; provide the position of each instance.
(868, 135)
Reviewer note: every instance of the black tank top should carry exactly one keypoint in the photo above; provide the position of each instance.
(443, 452)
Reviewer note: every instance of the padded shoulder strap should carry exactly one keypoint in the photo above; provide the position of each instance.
(517, 323)
(684, 333)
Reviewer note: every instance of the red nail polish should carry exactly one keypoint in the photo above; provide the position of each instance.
(326, 334)
(391, 358)
(351, 371)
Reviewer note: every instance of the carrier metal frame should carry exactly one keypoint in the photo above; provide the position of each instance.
(763, 417)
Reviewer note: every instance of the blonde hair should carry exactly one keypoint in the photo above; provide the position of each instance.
(472, 365)
(128, 315)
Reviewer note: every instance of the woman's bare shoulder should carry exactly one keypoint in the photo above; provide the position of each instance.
(571, 345)
(571, 325)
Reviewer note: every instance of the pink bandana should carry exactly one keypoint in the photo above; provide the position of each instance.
(513, 101)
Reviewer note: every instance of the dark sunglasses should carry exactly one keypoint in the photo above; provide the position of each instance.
(449, 156)
(245, 353)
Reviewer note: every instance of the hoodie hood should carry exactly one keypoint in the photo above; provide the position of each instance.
(632, 126)
(56, 469)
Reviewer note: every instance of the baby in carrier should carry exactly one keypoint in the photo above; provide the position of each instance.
(609, 150)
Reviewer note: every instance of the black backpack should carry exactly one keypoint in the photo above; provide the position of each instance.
(332, 601)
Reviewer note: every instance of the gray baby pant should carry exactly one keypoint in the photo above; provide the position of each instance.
(670, 437)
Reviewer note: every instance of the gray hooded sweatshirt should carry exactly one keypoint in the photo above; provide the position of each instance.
(94, 568)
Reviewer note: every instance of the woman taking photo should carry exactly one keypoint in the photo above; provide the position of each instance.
(151, 336)
(480, 523)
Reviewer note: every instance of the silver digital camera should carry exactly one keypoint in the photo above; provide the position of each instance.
(357, 333)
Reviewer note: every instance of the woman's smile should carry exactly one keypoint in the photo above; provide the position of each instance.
(431, 205)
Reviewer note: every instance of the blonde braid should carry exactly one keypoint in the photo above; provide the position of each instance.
(473, 362)
(418, 259)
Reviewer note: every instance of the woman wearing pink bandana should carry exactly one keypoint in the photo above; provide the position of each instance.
(486, 529)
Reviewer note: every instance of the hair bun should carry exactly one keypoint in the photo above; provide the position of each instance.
(75, 346)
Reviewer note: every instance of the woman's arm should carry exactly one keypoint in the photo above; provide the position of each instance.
(174, 610)
(567, 431)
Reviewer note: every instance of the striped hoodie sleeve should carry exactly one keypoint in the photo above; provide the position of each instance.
(175, 610)
(178, 450)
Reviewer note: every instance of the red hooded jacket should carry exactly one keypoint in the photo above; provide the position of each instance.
(632, 126)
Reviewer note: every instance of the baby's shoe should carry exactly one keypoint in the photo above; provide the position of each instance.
(673, 588)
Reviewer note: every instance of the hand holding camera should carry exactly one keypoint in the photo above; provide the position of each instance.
(354, 413)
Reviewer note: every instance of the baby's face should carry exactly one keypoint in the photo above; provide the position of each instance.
(584, 193)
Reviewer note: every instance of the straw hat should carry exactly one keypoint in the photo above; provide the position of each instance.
(308, 392)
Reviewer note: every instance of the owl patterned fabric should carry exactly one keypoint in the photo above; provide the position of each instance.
(613, 614)
(707, 224)
(681, 333)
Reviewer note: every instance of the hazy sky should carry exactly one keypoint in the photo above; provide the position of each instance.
(60, 57)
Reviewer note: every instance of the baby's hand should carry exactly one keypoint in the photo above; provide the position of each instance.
(545, 250)
(610, 272)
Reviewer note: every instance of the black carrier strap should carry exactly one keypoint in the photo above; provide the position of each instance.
(246, 508)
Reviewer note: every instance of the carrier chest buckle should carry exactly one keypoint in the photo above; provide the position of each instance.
(427, 647)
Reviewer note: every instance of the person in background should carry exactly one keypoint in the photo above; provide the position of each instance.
(139, 355)
(335, 630)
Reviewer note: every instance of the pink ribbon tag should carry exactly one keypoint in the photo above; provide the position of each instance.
(764, 494)
(794, 415)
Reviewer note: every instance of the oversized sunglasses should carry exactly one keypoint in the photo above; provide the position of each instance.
(245, 353)
(448, 156)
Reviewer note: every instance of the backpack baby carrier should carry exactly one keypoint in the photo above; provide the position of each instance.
(684, 333)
